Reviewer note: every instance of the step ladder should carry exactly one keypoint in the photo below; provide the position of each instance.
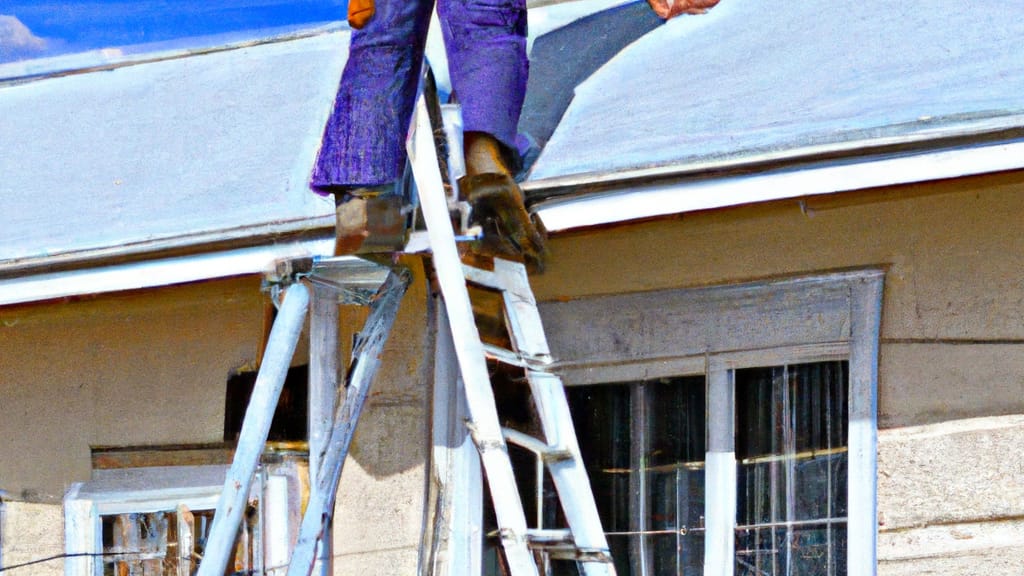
(526, 551)
(352, 280)
(335, 406)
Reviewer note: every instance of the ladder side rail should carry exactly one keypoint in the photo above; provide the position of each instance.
(255, 427)
(569, 474)
(323, 392)
(567, 469)
(366, 361)
(484, 425)
(456, 548)
(525, 326)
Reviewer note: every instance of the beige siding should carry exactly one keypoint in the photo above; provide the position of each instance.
(379, 513)
(142, 368)
(150, 367)
(925, 382)
(33, 532)
(950, 497)
(954, 254)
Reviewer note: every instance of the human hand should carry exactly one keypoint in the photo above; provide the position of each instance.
(671, 8)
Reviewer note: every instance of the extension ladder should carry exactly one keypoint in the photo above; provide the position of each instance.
(524, 549)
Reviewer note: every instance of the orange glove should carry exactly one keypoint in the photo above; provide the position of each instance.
(359, 12)
(671, 8)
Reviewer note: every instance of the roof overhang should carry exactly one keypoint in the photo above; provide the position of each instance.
(152, 273)
(587, 200)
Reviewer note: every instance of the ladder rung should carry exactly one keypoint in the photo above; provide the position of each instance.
(546, 452)
(549, 536)
(506, 356)
(482, 277)
(558, 544)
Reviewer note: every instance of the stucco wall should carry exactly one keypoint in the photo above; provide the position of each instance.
(952, 349)
(130, 369)
(952, 334)
(150, 367)
(33, 532)
(379, 513)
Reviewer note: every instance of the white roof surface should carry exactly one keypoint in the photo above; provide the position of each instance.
(764, 77)
(216, 147)
(168, 153)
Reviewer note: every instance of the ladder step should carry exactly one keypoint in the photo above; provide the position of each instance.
(506, 356)
(481, 277)
(548, 454)
(558, 544)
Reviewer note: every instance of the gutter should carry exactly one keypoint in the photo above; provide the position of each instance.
(157, 272)
(594, 199)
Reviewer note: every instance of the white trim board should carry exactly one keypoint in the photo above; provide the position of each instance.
(840, 176)
(153, 273)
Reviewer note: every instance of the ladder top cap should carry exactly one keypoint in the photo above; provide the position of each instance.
(349, 273)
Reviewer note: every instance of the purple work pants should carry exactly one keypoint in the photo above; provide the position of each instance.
(364, 141)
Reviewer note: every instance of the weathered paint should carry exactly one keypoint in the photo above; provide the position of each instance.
(952, 251)
(951, 336)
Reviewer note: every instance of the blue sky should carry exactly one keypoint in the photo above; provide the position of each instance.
(36, 28)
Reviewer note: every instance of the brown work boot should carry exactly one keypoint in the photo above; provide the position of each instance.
(509, 232)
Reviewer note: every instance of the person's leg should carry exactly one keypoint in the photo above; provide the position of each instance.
(486, 45)
(364, 140)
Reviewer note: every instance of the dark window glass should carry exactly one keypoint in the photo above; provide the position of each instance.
(791, 439)
(643, 445)
(290, 421)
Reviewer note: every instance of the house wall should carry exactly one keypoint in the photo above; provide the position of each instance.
(150, 367)
(951, 375)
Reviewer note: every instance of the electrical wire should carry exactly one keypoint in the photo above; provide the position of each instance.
(62, 556)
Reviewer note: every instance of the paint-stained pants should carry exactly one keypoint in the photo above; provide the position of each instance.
(364, 141)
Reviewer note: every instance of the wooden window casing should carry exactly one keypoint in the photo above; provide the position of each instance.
(716, 331)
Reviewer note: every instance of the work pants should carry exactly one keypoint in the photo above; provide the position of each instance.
(364, 140)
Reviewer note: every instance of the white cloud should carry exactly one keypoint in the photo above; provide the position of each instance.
(17, 41)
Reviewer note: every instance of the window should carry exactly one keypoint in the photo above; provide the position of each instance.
(290, 423)
(791, 459)
(644, 444)
(729, 430)
(155, 521)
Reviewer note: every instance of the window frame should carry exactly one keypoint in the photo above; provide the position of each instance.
(716, 330)
(275, 492)
(139, 490)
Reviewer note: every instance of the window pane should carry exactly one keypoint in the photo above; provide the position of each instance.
(643, 444)
(791, 436)
(756, 553)
(601, 417)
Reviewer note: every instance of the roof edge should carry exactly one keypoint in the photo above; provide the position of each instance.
(156, 272)
(40, 71)
(612, 202)
(990, 129)
(185, 245)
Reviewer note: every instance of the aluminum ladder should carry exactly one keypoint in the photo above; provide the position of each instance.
(334, 408)
(526, 551)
